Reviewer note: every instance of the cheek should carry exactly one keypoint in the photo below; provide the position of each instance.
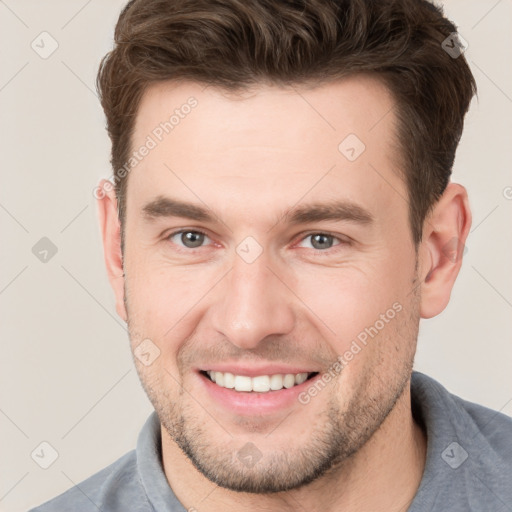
(348, 299)
(158, 294)
(360, 310)
(164, 305)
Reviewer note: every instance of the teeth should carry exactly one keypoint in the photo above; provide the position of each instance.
(289, 380)
(242, 383)
(260, 384)
(219, 378)
(229, 380)
(300, 378)
(276, 382)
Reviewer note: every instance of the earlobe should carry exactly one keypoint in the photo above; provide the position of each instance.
(111, 235)
(442, 249)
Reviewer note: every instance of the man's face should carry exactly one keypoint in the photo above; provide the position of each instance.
(254, 289)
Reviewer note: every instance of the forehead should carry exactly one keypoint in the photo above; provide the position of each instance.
(336, 138)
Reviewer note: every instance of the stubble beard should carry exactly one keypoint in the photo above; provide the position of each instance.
(336, 435)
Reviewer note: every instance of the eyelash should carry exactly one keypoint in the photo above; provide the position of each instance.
(342, 242)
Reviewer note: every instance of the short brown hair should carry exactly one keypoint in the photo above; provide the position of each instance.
(234, 44)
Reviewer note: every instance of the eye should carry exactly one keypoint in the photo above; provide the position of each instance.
(191, 239)
(321, 241)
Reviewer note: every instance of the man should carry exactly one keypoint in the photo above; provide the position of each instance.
(281, 216)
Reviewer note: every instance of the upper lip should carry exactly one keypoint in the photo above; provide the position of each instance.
(254, 371)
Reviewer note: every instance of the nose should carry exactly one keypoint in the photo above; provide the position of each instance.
(254, 304)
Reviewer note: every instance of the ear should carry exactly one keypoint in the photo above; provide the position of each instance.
(111, 235)
(444, 235)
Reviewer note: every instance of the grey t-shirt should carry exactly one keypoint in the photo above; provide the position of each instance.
(468, 466)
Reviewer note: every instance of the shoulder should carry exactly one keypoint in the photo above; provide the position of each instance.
(493, 426)
(469, 451)
(484, 426)
(115, 487)
(488, 437)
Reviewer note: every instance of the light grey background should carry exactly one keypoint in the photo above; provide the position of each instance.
(67, 377)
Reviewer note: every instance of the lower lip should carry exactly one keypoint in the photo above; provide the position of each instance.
(254, 403)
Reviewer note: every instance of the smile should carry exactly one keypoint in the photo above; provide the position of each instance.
(259, 383)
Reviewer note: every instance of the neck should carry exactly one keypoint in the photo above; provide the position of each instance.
(383, 475)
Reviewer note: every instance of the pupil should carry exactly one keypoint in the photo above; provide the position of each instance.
(321, 241)
(192, 239)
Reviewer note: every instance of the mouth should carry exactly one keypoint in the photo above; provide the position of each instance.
(259, 383)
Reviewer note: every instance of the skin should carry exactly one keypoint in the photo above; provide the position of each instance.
(250, 157)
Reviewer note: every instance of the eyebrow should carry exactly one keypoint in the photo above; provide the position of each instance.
(163, 207)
